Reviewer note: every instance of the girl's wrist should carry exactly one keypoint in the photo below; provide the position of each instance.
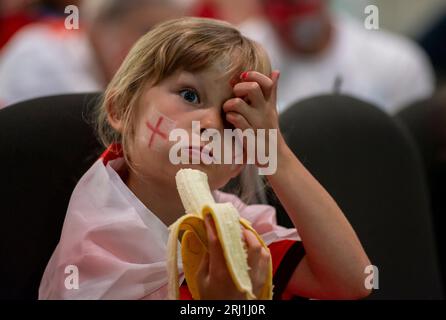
(284, 153)
(285, 158)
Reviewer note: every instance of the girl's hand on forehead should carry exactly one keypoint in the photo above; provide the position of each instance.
(254, 104)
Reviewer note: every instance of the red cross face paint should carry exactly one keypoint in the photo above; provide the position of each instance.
(158, 127)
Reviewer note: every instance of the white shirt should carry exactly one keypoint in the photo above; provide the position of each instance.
(119, 246)
(43, 59)
(373, 65)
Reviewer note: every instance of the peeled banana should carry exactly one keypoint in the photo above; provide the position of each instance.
(198, 202)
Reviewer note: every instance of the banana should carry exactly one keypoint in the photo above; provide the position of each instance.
(198, 202)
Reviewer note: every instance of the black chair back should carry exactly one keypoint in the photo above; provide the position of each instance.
(46, 145)
(369, 164)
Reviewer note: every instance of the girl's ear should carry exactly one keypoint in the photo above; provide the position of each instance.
(113, 118)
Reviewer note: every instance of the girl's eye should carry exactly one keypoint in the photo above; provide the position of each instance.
(190, 95)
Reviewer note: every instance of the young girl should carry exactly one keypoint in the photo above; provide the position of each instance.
(113, 242)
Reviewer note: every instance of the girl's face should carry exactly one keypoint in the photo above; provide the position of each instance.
(175, 102)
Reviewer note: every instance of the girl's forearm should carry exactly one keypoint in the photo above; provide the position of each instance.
(333, 251)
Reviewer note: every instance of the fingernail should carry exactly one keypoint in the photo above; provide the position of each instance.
(244, 75)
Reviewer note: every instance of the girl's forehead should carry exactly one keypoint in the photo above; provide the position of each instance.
(223, 78)
(212, 74)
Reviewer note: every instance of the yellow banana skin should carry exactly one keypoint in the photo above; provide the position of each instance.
(198, 202)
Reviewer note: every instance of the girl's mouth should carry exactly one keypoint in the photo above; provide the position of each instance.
(201, 153)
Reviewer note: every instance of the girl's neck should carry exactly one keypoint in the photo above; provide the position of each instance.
(163, 200)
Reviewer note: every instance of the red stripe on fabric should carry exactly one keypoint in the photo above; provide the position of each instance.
(278, 250)
(185, 293)
(113, 152)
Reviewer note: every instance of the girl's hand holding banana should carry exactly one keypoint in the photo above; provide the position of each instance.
(215, 260)
(213, 277)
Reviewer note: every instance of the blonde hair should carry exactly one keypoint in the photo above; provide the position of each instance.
(189, 44)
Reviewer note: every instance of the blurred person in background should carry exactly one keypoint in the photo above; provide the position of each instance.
(320, 52)
(46, 58)
(15, 14)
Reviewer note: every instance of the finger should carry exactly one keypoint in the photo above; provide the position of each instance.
(238, 105)
(253, 244)
(258, 255)
(216, 257)
(237, 120)
(251, 90)
(275, 75)
(258, 258)
(266, 84)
